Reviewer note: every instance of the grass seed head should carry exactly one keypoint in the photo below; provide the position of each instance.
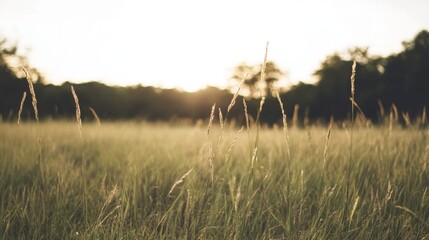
(24, 95)
(211, 120)
(179, 181)
(78, 113)
(32, 92)
(95, 115)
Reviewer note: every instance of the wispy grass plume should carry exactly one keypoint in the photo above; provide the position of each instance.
(24, 95)
(261, 103)
(285, 126)
(95, 115)
(179, 181)
(210, 150)
(233, 143)
(33, 93)
(232, 103)
(209, 128)
(325, 151)
(246, 115)
(352, 100)
(78, 113)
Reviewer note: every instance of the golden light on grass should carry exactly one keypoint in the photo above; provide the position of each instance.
(221, 119)
(355, 205)
(33, 93)
(95, 115)
(179, 181)
(246, 115)
(232, 103)
(352, 80)
(209, 128)
(325, 151)
(78, 113)
(232, 144)
(285, 127)
(24, 95)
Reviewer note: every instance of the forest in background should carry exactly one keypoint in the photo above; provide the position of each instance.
(401, 79)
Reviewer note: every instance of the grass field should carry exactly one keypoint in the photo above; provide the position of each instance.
(156, 181)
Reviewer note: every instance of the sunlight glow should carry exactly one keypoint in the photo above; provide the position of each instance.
(191, 44)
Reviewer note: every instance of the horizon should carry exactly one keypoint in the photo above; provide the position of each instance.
(192, 44)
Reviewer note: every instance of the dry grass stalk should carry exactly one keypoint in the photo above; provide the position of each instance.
(211, 120)
(109, 199)
(24, 95)
(232, 103)
(352, 80)
(211, 162)
(254, 157)
(246, 114)
(354, 208)
(179, 182)
(261, 104)
(285, 127)
(237, 198)
(221, 119)
(33, 93)
(78, 113)
(95, 115)
(233, 143)
(295, 116)
(264, 65)
(357, 106)
(388, 193)
(325, 151)
(221, 123)
(423, 119)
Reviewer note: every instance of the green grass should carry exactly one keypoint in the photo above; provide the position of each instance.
(113, 183)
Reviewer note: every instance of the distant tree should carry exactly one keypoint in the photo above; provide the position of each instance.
(252, 82)
(11, 63)
(333, 87)
(406, 75)
(6, 52)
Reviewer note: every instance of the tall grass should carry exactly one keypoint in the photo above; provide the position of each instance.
(145, 161)
(32, 92)
(21, 105)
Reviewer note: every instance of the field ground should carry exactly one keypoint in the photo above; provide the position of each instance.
(155, 181)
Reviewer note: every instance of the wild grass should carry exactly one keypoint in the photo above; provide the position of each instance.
(137, 189)
(32, 92)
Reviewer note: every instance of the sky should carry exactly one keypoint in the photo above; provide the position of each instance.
(190, 44)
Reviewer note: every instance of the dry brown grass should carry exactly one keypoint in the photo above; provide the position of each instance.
(95, 115)
(33, 93)
(78, 112)
(24, 95)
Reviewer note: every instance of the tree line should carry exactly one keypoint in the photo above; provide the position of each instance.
(400, 80)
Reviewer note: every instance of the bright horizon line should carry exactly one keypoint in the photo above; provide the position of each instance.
(192, 44)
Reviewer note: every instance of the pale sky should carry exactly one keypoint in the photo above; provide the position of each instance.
(194, 43)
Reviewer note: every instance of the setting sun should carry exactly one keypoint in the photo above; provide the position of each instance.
(192, 44)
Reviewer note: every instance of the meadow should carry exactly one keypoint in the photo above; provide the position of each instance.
(138, 180)
(215, 179)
